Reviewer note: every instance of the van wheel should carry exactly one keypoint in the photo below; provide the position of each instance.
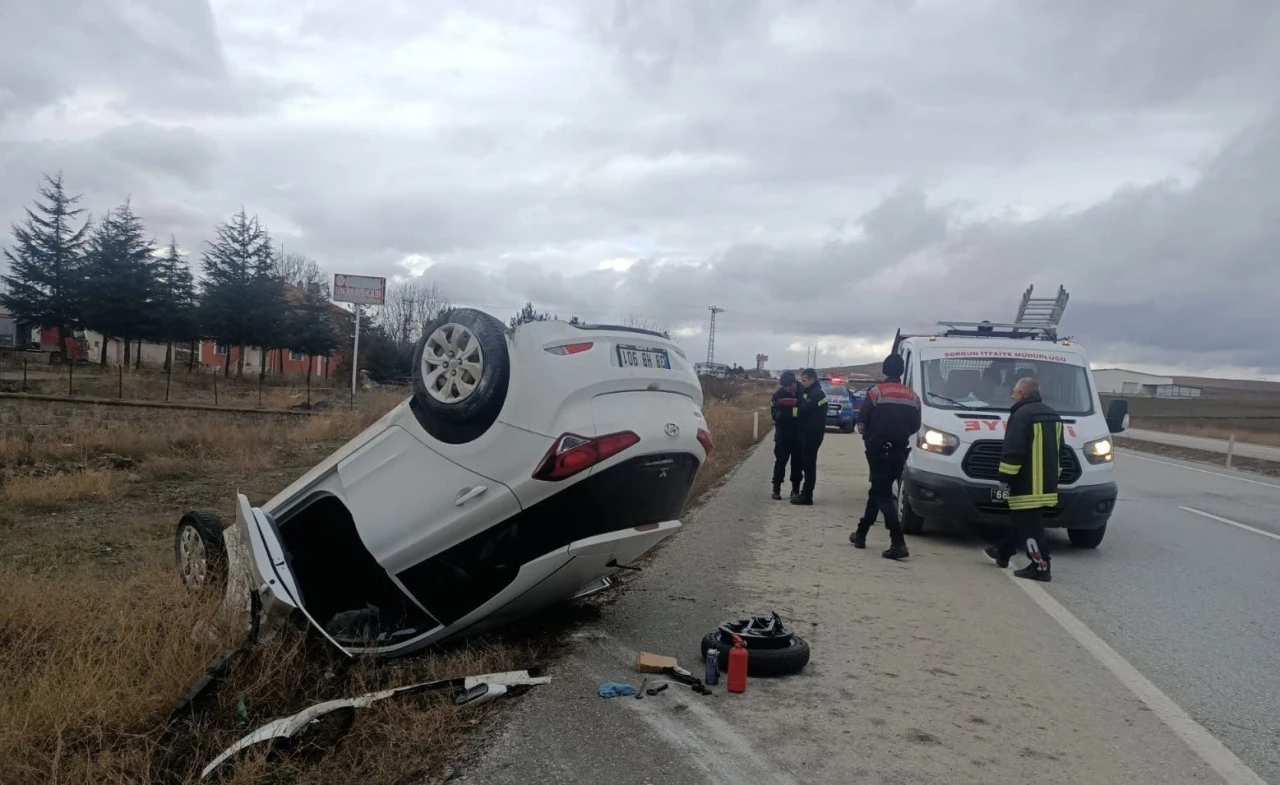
(911, 523)
(199, 550)
(461, 369)
(1087, 538)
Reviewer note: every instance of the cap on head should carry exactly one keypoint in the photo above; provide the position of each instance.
(787, 378)
(893, 365)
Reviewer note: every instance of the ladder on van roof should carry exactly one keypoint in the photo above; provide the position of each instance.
(1038, 319)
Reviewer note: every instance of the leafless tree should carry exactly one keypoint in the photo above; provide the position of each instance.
(642, 323)
(410, 305)
(301, 271)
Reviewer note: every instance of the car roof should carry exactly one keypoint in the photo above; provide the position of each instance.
(1006, 344)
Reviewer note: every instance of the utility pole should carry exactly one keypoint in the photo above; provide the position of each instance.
(711, 334)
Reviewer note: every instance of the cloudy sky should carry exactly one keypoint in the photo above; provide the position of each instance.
(825, 170)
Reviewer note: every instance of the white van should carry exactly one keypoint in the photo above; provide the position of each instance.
(964, 375)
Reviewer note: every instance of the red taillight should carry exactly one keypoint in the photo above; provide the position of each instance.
(570, 348)
(572, 454)
(704, 438)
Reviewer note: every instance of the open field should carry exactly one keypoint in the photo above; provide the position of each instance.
(96, 630)
(1252, 419)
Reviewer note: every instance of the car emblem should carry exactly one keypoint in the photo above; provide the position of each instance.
(672, 430)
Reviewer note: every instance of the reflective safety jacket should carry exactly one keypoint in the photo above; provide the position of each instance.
(813, 409)
(784, 408)
(1030, 461)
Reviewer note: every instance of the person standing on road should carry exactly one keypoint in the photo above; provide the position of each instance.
(889, 418)
(813, 427)
(1029, 464)
(784, 408)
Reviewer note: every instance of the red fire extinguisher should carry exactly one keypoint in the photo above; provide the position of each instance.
(737, 681)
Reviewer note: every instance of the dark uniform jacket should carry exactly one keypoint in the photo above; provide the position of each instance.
(784, 408)
(889, 416)
(1029, 461)
(813, 409)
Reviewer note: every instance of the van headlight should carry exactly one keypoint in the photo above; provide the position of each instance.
(1099, 451)
(939, 442)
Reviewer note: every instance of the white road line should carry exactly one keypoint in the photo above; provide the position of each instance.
(1132, 454)
(1192, 733)
(1230, 522)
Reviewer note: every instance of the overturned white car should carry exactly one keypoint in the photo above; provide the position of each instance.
(527, 467)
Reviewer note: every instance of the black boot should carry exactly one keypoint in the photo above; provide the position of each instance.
(802, 498)
(777, 492)
(1034, 572)
(795, 491)
(898, 551)
(859, 536)
(993, 551)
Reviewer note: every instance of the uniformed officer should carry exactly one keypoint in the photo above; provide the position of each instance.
(889, 418)
(813, 427)
(784, 408)
(1029, 463)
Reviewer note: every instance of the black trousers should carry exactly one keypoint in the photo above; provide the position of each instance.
(810, 442)
(885, 465)
(786, 450)
(1027, 534)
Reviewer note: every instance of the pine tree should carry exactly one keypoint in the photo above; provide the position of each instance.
(120, 280)
(238, 265)
(175, 302)
(45, 280)
(528, 314)
(311, 328)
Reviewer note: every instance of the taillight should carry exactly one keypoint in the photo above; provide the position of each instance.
(569, 348)
(572, 454)
(704, 438)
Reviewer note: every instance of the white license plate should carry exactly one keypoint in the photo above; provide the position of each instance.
(636, 357)
(999, 494)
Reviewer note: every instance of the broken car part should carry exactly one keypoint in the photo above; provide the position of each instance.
(469, 690)
(465, 508)
(772, 648)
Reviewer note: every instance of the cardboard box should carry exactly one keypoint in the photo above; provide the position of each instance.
(653, 663)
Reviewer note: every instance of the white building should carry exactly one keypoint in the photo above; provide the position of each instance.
(1118, 381)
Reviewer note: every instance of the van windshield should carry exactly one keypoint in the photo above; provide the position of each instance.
(986, 383)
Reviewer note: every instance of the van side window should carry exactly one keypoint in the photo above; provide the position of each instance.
(907, 375)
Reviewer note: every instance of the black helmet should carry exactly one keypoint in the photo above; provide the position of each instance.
(893, 366)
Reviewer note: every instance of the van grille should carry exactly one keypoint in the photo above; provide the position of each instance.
(982, 462)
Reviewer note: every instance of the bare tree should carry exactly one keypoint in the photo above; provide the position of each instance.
(642, 323)
(410, 305)
(301, 271)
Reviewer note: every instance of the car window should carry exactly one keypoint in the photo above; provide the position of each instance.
(834, 389)
(986, 384)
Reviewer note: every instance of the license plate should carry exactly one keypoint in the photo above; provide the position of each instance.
(637, 357)
(999, 494)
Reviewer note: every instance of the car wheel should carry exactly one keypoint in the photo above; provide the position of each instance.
(911, 522)
(763, 662)
(1087, 538)
(461, 368)
(199, 550)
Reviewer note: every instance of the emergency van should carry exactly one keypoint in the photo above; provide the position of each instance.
(964, 374)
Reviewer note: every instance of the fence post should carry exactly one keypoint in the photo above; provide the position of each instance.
(120, 391)
(1231, 444)
(755, 426)
(71, 378)
(168, 380)
(24, 374)
(215, 386)
(261, 376)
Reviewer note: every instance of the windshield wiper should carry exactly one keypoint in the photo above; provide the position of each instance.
(953, 401)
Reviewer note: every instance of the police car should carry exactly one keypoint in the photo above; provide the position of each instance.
(843, 404)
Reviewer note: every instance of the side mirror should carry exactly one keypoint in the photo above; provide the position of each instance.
(1118, 415)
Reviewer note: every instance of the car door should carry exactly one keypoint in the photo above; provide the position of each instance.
(410, 503)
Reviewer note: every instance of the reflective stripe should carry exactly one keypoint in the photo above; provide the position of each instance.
(1037, 459)
(1010, 468)
(1057, 428)
(1033, 501)
(795, 411)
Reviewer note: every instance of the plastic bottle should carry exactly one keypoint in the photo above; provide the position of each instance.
(737, 681)
(712, 675)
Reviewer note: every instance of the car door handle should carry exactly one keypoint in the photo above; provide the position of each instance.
(467, 494)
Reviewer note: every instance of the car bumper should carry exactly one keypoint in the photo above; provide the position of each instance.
(935, 496)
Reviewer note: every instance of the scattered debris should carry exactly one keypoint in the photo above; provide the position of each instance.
(468, 691)
(655, 690)
(773, 648)
(616, 689)
(654, 663)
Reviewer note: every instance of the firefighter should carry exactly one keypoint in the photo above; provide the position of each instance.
(813, 427)
(784, 408)
(889, 418)
(1029, 465)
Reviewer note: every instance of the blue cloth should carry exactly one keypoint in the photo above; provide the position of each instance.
(613, 689)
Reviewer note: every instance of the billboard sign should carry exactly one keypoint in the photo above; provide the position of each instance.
(359, 289)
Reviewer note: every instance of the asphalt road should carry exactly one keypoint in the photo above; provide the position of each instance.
(1192, 602)
(940, 668)
(1245, 449)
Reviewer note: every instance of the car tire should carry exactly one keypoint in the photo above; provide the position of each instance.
(1087, 538)
(763, 663)
(461, 371)
(200, 550)
(912, 523)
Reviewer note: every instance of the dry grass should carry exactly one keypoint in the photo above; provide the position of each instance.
(58, 490)
(1254, 431)
(95, 649)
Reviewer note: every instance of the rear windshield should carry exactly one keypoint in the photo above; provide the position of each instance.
(834, 389)
(985, 384)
